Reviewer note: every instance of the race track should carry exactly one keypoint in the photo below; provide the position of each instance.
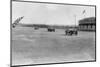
(31, 46)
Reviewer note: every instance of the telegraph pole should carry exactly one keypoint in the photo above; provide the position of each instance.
(75, 19)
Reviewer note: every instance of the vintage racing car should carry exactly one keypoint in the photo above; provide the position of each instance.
(71, 31)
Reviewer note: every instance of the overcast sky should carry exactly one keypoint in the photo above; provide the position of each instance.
(55, 14)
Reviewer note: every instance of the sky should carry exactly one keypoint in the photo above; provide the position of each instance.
(51, 14)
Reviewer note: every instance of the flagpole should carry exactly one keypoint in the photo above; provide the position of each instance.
(84, 13)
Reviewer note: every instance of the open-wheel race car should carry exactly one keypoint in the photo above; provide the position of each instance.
(36, 28)
(51, 29)
(71, 31)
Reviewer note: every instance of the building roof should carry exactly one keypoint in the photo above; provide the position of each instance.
(88, 20)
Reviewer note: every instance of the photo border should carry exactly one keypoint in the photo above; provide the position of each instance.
(49, 3)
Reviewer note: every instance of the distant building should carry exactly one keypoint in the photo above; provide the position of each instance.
(87, 24)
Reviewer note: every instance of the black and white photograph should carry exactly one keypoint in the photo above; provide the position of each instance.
(52, 33)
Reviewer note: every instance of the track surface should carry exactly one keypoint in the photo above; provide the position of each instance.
(31, 46)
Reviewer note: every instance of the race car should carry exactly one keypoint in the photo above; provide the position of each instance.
(71, 31)
(51, 29)
(36, 28)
